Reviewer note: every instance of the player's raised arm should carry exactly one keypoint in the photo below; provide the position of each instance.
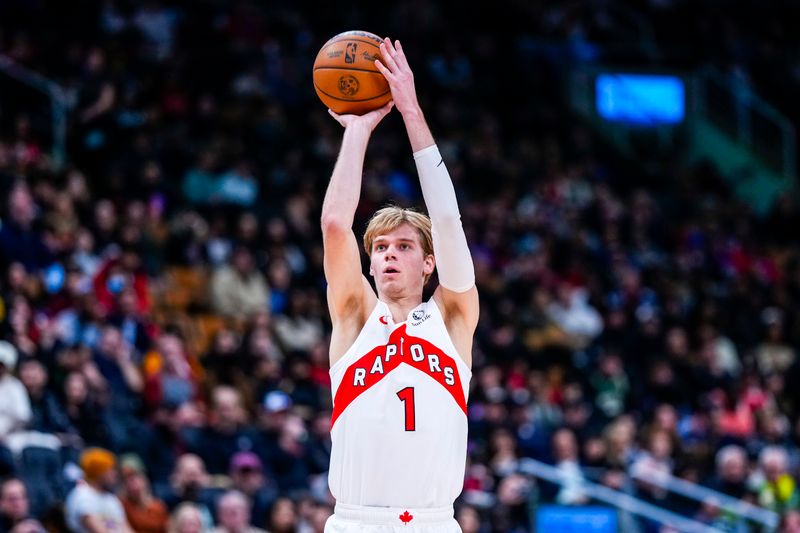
(349, 294)
(457, 290)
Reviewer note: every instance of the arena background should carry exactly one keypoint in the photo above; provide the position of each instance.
(626, 178)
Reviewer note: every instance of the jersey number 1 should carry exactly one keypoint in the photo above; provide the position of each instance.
(407, 397)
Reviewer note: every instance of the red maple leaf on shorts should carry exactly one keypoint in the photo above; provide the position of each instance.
(406, 517)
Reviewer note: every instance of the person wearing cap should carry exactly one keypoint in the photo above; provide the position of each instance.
(248, 477)
(145, 513)
(92, 506)
(274, 410)
(15, 409)
(283, 434)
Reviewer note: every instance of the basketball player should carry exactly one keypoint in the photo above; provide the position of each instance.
(400, 367)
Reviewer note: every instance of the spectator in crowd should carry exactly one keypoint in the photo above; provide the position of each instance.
(573, 313)
(299, 328)
(565, 450)
(190, 482)
(116, 361)
(312, 516)
(144, 512)
(136, 330)
(93, 506)
(14, 507)
(468, 519)
(283, 516)
(774, 355)
(778, 491)
(238, 185)
(731, 472)
(172, 375)
(18, 237)
(47, 414)
(239, 289)
(227, 431)
(319, 445)
(247, 476)
(284, 444)
(186, 518)
(653, 462)
(122, 271)
(790, 522)
(85, 413)
(201, 182)
(233, 514)
(514, 495)
(15, 409)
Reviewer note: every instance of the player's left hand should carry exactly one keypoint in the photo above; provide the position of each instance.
(367, 120)
(399, 75)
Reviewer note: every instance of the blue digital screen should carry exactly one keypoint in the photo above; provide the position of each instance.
(568, 519)
(641, 99)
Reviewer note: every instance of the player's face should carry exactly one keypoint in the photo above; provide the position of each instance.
(398, 262)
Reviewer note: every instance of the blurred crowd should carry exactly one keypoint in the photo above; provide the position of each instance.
(162, 302)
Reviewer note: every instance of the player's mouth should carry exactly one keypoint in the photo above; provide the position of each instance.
(390, 270)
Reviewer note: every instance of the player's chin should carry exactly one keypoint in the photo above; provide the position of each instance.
(390, 284)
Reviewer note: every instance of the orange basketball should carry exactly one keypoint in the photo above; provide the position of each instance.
(345, 76)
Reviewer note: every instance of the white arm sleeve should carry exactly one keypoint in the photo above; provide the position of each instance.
(453, 259)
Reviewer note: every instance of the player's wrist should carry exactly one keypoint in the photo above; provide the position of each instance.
(358, 128)
(412, 112)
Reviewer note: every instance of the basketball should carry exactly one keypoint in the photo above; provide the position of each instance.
(345, 76)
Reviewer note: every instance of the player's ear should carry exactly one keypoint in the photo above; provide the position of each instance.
(428, 265)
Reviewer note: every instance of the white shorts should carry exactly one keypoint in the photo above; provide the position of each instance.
(358, 519)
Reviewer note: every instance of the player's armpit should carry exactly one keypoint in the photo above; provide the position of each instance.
(348, 318)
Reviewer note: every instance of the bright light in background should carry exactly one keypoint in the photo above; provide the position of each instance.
(642, 99)
(577, 519)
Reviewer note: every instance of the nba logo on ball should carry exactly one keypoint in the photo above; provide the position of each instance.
(350, 53)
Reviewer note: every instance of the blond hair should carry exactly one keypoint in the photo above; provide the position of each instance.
(390, 218)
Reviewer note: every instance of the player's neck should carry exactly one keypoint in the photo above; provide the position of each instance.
(399, 307)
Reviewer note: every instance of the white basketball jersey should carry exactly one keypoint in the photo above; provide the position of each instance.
(399, 423)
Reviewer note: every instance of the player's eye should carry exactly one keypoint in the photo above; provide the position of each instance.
(404, 247)
(380, 247)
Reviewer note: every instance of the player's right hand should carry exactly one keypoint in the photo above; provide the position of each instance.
(367, 120)
(398, 74)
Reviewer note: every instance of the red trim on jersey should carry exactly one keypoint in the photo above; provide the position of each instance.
(347, 391)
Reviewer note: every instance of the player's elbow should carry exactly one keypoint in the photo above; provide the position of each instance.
(333, 224)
